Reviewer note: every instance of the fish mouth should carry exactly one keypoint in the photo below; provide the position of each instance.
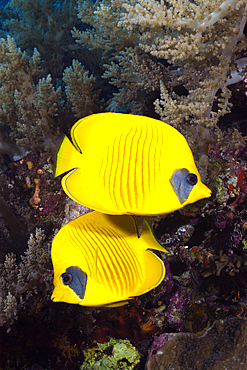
(57, 295)
(54, 299)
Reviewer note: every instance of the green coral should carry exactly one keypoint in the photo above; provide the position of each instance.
(123, 356)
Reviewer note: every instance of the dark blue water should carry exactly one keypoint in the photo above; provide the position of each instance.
(3, 2)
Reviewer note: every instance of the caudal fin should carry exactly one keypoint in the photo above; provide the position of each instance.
(66, 157)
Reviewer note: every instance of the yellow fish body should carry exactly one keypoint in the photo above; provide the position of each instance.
(128, 164)
(99, 260)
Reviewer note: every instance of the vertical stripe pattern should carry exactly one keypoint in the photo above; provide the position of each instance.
(130, 166)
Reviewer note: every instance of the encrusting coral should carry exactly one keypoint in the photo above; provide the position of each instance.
(115, 354)
(223, 346)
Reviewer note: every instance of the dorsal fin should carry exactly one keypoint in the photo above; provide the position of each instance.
(66, 157)
(150, 239)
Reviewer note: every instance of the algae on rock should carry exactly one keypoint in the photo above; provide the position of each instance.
(115, 354)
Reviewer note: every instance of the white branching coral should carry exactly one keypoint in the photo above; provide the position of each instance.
(195, 41)
(104, 34)
(134, 71)
(20, 281)
(168, 26)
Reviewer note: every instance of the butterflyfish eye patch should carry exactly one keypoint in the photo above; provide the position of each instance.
(183, 182)
(76, 279)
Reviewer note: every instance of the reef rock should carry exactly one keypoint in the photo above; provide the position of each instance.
(221, 347)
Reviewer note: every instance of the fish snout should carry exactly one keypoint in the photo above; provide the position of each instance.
(57, 296)
(204, 191)
(54, 298)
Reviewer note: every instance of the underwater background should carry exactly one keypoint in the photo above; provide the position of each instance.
(183, 63)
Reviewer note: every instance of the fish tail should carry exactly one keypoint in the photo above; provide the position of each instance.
(66, 157)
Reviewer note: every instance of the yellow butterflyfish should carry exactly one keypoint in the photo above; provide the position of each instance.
(98, 260)
(128, 164)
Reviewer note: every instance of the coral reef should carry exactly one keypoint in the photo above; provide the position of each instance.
(41, 24)
(27, 110)
(115, 354)
(32, 111)
(183, 62)
(222, 346)
(190, 47)
(32, 276)
(80, 87)
(31, 199)
(188, 60)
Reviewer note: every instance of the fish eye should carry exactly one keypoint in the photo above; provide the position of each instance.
(191, 179)
(67, 278)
